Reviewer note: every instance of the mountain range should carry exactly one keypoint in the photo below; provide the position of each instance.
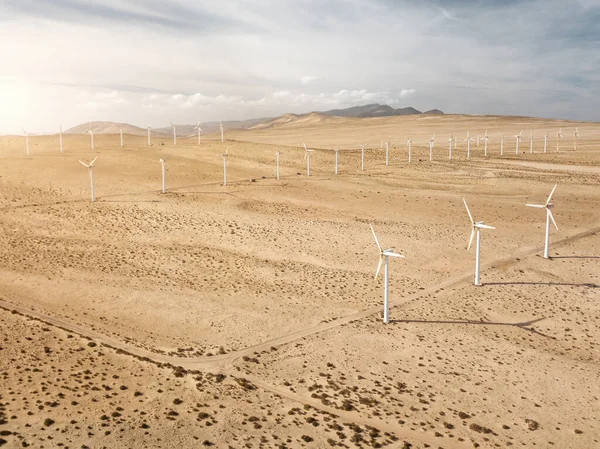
(366, 111)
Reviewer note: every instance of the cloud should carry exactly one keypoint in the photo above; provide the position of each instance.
(308, 79)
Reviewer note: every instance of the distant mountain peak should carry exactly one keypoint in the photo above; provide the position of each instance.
(376, 110)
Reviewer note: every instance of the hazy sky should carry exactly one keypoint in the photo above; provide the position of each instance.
(155, 61)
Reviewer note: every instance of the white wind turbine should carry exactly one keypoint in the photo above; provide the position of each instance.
(548, 206)
(199, 131)
(409, 143)
(90, 131)
(277, 164)
(518, 137)
(486, 139)
(477, 140)
(545, 141)
(575, 138)
(121, 135)
(163, 163)
(337, 158)
(558, 137)
(469, 139)
(384, 255)
(225, 165)
(387, 152)
(501, 144)
(307, 159)
(362, 155)
(60, 138)
(222, 132)
(431, 143)
(531, 142)
(174, 133)
(476, 230)
(149, 133)
(26, 142)
(451, 140)
(90, 168)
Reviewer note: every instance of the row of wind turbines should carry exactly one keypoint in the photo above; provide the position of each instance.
(476, 228)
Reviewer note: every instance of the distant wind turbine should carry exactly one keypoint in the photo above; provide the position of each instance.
(387, 152)
(337, 157)
(431, 144)
(199, 131)
(362, 156)
(91, 133)
(174, 133)
(451, 140)
(26, 142)
(501, 144)
(384, 255)
(545, 142)
(531, 142)
(225, 165)
(476, 230)
(163, 163)
(409, 143)
(149, 133)
(277, 164)
(307, 159)
(575, 138)
(121, 135)
(548, 206)
(518, 137)
(90, 168)
(558, 137)
(485, 143)
(469, 139)
(222, 132)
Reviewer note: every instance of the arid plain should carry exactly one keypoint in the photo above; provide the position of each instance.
(247, 315)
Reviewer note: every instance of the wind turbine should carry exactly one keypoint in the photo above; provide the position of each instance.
(163, 162)
(337, 157)
(199, 131)
(91, 133)
(307, 159)
(501, 144)
(121, 135)
(558, 137)
(548, 206)
(174, 133)
(485, 143)
(476, 230)
(545, 142)
(60, 138)
(387, 152)
(575, 137)
(225, 166)
(477, 140)
(451, 140)
(469, 139)
(409, 143)
(362, 156)
(26, 142)
(222, 135)
(431, 143)
(277, 163)
(149, 132)
(531, 142)
(384, 255)
(518, 137)
(90, 168)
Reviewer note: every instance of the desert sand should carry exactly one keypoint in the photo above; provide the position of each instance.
(248, 315)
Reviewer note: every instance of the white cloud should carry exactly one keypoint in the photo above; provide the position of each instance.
(308, 79)
(407, 92)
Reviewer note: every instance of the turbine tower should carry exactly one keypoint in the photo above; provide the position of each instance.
(199, 131)
(485, 143)
(307, 159)
(431, 143)
(149, 135)
(337, 158)
(362, 156)
(222, 133)
(409, 143)
(277, 164)
(545, 142)
(121, 135)
(558, 137)
(548, 206)
(90, 168)
(26, 142)
(387, 152)
(91, 133)
(501, 144)
(174, 133)
(451, 140)
(384, 255)
(476, 230)
(225, 166)
(531, 142)
(575, 138)
(163, 163)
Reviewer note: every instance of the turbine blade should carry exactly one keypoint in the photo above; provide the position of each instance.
(552, 218)
(538, 206)
(305, 147)
(84, 164)
(484, 226)
(471, 239)
(391, 254)
(376, 239)
(468, 211)
(551, 193)
(92, 163)
(379, 266)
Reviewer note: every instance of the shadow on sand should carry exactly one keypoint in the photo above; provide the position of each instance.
(549, 284)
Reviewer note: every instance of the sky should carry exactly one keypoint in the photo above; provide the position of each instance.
(154, 61)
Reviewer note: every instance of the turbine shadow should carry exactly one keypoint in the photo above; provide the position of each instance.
(576, 257)
(549, 284)
(522, 325)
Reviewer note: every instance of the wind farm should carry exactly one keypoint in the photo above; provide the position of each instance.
(247, 286)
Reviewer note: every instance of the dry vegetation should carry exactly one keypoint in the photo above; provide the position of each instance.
(247, 315)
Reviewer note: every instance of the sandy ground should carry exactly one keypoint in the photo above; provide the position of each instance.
(261, 293)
